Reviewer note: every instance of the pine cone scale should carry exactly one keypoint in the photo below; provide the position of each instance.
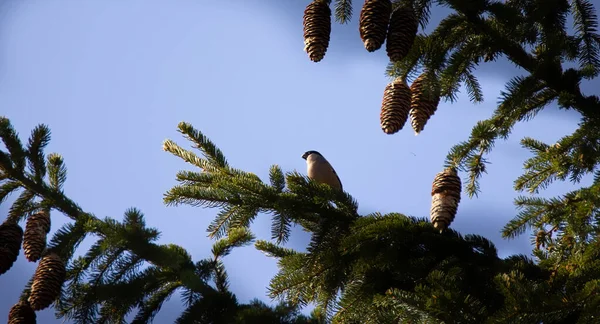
(21, 313)
(317, 29)
(373, 23)
(423, 104)
(395, 106)
(36, 230)
(445, 198)
(47, 282)
(401, 33)
(11, 237)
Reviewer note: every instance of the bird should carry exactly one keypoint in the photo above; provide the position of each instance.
(319, 169)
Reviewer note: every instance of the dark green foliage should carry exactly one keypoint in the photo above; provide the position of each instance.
(124, 272)
(364, 268)
(368, 268)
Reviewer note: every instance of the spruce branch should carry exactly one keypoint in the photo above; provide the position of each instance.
(473, 87)
(353, 300)
(236, 237)
(586, 24)
(167, 257)
(350, 259)
(531, 211)
(201, 142)
(222, 222)
(459, 67)
(343, 11)
(468, 155)
(407, 69)
(150, 307)
(14, 146)
(397, 305)
(572, 157)
(125, 266)
(22, 206)
(213, 308)
(588, 106)
(40, 137)
(277, 178)
(67, 238)
(518, 104)
(281, 227)
(241, 196)
(221, 279)
(422, 10)
(7, 188)
(57, 171)
(188, 156)
(273, 250)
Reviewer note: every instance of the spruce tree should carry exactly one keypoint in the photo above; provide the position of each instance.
(376, 268)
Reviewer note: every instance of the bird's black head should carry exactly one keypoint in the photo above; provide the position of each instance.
(307, 153)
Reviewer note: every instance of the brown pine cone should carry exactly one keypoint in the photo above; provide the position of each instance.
(395, 106)
(423, 104)
(373, 23)
(11, 236)
(21, 313)
(47, 281)
(540, 239)
(36, 229)
(445, 192)
(317, 29)
(401, 33)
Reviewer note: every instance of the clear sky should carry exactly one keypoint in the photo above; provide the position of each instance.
(113, 78)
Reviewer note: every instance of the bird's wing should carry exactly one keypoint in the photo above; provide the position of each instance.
(338, 178)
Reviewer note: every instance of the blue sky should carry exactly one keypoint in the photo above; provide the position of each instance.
(113, 78)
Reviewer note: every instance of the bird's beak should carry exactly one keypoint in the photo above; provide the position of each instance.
(305, 155)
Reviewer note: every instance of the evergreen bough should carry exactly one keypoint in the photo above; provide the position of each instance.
(372, 268)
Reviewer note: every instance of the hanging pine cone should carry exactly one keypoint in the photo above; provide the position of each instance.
(401, 33)
(317, 29)
(395, 106)
(11, 236)
(445, 193)
(47, 281)
(423, 104)
(540, 239)
(373, 23)
(21, 313)
(36, 229)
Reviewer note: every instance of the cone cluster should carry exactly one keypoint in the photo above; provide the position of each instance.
(395, 106)
(11, 236)
(401, 33)
(21, 313)
(445, 192)
(36, 229)
(47, 281)
(423, 104)
(317, 29)
(373, 23)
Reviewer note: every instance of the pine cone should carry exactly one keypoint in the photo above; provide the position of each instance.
(317, 29)
(21, 313)
(401, 33)
(36, 229)
(445, 193)
(11, 236)
(47, 281)
(423, 104)
(395, 106)
(540, 239)
(373, 23)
